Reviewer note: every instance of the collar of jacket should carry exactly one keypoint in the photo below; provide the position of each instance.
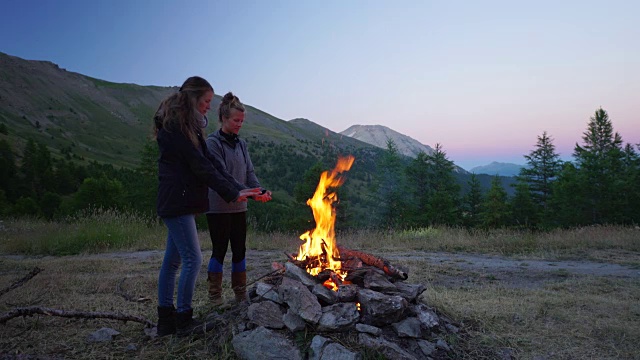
(232, 139)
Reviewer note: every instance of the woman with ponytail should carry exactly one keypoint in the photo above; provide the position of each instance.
(227, 221)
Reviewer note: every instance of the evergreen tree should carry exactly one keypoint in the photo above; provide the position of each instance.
(568, 204)
(7, 168)
(28, 170)
(472, 203)
(389, 190)
(600, 164)
(524, 212)
(543, 166)
(495, 210)
(629, 202)
(444, 208)
(419, 183)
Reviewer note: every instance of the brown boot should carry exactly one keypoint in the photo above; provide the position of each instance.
(239, 285)
(215, 287)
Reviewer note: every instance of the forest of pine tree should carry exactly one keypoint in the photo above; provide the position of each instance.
(601, 185)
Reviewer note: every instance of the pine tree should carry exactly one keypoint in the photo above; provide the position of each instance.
(568, 203)
(543, 166)
(599, 162)
(524, 212)
(419, 183)
(444, 208)
(495, 210)
(389, 188)
(7, 168)
(472, 202)
(630, 175)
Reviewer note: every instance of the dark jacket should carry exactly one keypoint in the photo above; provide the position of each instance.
(185, 174)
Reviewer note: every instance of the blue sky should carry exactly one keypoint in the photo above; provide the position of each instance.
(482, 78)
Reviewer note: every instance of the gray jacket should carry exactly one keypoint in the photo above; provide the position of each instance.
(235, 158)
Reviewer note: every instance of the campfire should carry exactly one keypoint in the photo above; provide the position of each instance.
(329, 289)
(320, 255)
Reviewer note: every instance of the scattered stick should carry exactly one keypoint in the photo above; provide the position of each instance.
(30, 311)
(22, 281)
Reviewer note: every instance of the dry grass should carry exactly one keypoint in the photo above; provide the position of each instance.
(585, 317)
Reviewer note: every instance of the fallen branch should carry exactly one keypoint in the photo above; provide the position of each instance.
(22, 281)
(30, 311)
(376, 261)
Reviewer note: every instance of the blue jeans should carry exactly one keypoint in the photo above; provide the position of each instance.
(183, 247)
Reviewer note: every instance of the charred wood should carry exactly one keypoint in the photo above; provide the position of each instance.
(375, 261)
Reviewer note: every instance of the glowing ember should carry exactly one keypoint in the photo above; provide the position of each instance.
(320, 242)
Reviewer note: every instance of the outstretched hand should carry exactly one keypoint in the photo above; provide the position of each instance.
(263, 197)
(246, 193)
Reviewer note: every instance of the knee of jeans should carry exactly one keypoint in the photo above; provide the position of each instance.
(198, 260)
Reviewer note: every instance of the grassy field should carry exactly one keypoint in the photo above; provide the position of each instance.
(117, 259)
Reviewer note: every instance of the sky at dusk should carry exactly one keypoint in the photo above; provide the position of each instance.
(482, 78)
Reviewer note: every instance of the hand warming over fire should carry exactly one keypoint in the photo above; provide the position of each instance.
(264, 196)
(244, 194)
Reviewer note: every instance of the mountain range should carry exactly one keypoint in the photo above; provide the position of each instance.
(97, 120)
(498, 168)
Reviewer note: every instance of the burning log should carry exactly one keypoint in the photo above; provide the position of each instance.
(375, 261)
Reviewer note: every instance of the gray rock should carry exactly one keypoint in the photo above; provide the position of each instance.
(300, 300)
(427, 348)
(427, 317)
(322, 348)
(338, 317)
(267, 314)
(323, 294)
(262, 343)
(379, 309)
(102, 335)
(387, 348)
(347, 293)
(364, 328)
(268, 292)
(293, 322)
(296, 273)
(377, 280)
(441, 344)
(409, 327)
(408, 291)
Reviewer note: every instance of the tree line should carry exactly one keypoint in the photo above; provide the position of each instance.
(384, 189)
(600, 186)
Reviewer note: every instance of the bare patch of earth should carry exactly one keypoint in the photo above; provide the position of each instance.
(454, 270)
(470, 270)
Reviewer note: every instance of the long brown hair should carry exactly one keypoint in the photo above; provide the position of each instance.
(179, 110)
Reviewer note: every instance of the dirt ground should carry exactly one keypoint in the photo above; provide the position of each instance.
(443, 269)
(97, 281)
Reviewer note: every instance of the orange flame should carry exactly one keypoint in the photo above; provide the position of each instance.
(320, 242)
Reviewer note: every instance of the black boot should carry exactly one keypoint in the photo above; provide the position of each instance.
(186, 325)
(166, 321)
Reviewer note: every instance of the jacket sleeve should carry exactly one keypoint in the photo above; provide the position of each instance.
(215, 156)
(203, 168)
(252, 179)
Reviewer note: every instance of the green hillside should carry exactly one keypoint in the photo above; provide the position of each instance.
(101, 130)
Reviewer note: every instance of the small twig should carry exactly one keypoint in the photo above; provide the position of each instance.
(22, 281)
(265, 275)
(30, 311)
